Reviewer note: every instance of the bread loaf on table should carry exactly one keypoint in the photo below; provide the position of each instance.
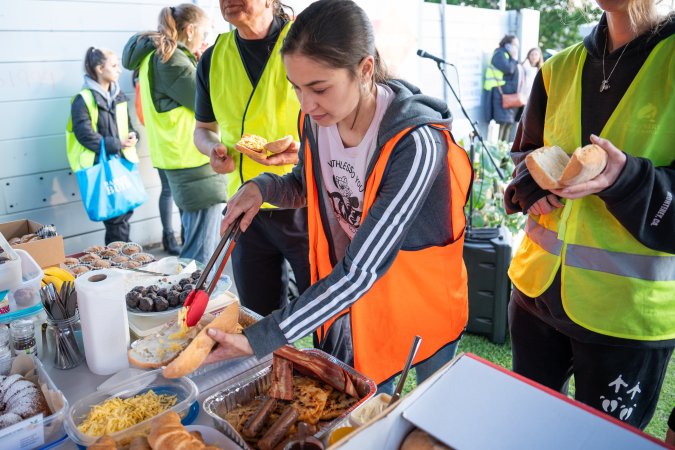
(196, 352)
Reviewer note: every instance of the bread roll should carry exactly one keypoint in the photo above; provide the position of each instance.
(167, 433)
(252, 145)
(586, 163)
(546, 165)
(103, 443)
(196, 352)
(420, 440)
(279, 145)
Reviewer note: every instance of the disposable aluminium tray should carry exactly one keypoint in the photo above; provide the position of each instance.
(256, 382)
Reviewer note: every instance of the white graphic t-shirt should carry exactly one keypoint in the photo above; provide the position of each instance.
(344, 169)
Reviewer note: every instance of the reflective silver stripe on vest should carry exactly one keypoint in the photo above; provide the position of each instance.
(653, 268)
(543, 237)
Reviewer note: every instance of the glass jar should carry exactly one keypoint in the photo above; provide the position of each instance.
(23, 337)
(5, 351)
(64, 342)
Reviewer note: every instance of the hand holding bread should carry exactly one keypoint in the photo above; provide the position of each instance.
(552, 168)
(278, 152)
(616, 161)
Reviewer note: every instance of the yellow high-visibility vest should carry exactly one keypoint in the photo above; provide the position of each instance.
(270, 109)
(611, 283)
(79, 156)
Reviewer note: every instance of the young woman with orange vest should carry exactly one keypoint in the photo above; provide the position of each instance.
(594, 278)
(100, 113)
(385, 186)
(167, 61)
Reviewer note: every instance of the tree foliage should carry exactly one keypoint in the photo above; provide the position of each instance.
(559, 20)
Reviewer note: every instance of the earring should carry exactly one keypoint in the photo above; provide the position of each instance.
(190, 39)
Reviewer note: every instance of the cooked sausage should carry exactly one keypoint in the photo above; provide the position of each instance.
(256, 422)
(279, 429)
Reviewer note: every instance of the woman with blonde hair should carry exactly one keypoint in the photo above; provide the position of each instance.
(167, 61)
(595, 274)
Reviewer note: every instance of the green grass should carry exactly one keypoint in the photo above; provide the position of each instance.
(501, 355)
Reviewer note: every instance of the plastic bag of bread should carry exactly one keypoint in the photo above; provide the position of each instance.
(552, 168)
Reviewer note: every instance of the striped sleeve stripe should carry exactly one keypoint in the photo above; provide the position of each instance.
(385, 234)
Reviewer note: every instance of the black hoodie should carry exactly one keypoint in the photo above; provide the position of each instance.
(636, 196)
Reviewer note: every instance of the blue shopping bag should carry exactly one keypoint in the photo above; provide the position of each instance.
(111, 187)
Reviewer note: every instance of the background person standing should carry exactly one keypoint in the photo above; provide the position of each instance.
(167, 60)
(242, 88)
(502, 77)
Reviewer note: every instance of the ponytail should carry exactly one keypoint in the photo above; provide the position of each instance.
(171, 26)
(92, 59)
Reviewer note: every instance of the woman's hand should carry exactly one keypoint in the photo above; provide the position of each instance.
(616, 160)
(229, 346)
(220, 161)
(545, 205)
(246, 201)
(288, 156)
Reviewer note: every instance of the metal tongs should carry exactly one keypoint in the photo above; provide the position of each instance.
(417, 341)
(196, 301)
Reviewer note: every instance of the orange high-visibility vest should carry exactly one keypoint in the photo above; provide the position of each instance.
(423, 293)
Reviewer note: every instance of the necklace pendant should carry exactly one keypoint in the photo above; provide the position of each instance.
(604, 86)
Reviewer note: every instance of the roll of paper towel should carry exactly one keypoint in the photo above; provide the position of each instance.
(103, 314)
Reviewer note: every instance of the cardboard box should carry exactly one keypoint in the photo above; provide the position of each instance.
(46, 252)
(471, 404)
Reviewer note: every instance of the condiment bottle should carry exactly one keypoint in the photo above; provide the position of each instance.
(5, 351)
(23, 337)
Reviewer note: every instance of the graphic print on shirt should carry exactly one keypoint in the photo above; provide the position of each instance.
(621, 403)
(346, 205)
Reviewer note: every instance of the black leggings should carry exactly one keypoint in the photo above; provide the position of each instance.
(623, 382)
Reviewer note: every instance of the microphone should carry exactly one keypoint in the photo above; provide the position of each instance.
(424, 54)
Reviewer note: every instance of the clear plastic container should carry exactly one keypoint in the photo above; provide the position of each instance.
(10, 267)
(27, 293)
(183, 388)
(49, 429)
(5, 350)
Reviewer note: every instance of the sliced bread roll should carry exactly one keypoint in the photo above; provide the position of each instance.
(586, 163)
(196, 352)
(420, 440)
(279, 145)
(252, 145)
(546, 165)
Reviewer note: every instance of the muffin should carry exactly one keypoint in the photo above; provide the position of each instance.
(101, 264)
(94, 249)
(143, 258)
(89, 258)
(79, 269)
(119, 259)
(131, 249)
(116, 245)
(108, 253)
(130, 264)
(71, 261)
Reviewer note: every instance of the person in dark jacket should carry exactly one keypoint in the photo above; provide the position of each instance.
(502, 77)
(103, 72)
(167, 60)
(594, 276)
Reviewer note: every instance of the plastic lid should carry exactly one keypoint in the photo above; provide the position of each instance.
(20, 314)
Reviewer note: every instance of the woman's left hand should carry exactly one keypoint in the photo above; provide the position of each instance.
(288, 156)
(616, 160)
(229, 346)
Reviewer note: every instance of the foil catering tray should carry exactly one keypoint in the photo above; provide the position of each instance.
(256, 382)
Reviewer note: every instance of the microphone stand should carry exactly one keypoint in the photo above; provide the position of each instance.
(474, 134)
(473, 125)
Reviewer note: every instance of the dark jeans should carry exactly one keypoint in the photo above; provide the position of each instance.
(258, 264)
(623, 382)
(117, 228)
(505, 131)
(165, 203)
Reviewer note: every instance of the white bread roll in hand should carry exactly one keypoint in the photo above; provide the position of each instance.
(280, 145)
(196, 352)
(252, 145)
(552, 168)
